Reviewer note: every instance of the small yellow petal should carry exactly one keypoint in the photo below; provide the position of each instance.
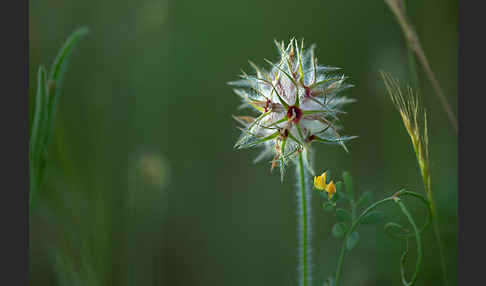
(318, 183)
(331, 189)
(323, 176)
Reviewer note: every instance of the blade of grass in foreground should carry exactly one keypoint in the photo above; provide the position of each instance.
(47, 96)
(35, 145)
(58, 70)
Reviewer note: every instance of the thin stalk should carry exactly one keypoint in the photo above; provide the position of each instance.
(436, 227)
(304, 215)
(412, 63)
(441, 249)
(417, 232)
(340, 261)
(419, 245)
(351, 229)
(427, 181)
(413, 41)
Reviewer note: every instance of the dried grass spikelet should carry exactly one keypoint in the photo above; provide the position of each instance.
(407, 104)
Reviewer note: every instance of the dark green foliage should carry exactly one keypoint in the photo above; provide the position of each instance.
(365, 199)
(339, 196)
(352, 240)
(339, 229)
(328, 206)
(348, 222)
(343, 215)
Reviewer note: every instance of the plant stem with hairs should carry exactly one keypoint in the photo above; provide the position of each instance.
(293, 112)
(304, 227)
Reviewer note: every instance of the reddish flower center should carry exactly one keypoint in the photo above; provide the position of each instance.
(310, 138)
(294, 114)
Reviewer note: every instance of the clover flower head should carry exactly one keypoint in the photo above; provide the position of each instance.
(320, 184)
(297, 103)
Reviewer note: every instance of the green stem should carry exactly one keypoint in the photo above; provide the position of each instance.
(435, 216)
(304, 227)
(414, 43)
(417, 232)
(435, 224)
(351, 229)
(419, 245)
(441, 251)
(340, 261)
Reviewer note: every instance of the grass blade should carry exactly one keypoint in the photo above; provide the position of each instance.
(56, 76)
(40, 115)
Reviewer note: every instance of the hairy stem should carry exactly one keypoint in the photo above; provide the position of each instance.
(304, 228)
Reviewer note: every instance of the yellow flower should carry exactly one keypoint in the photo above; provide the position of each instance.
(331, 189)
(320, 184)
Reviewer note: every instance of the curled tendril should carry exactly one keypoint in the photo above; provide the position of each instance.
(397, 231)
(403, 260)
(405, 254)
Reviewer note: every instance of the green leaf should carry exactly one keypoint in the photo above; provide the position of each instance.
(352, 240)
(373, 217)
(57, 74)
(339, 186)
(328, 206)
(40, 116)
(339, 196)
(59, 65)
(343, 215)
(339, 229)
(322, 194)
(365, 198)
(348, 182)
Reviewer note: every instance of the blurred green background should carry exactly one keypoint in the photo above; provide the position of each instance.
(143, 185)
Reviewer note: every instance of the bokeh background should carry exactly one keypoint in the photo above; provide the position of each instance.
(143, 184)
